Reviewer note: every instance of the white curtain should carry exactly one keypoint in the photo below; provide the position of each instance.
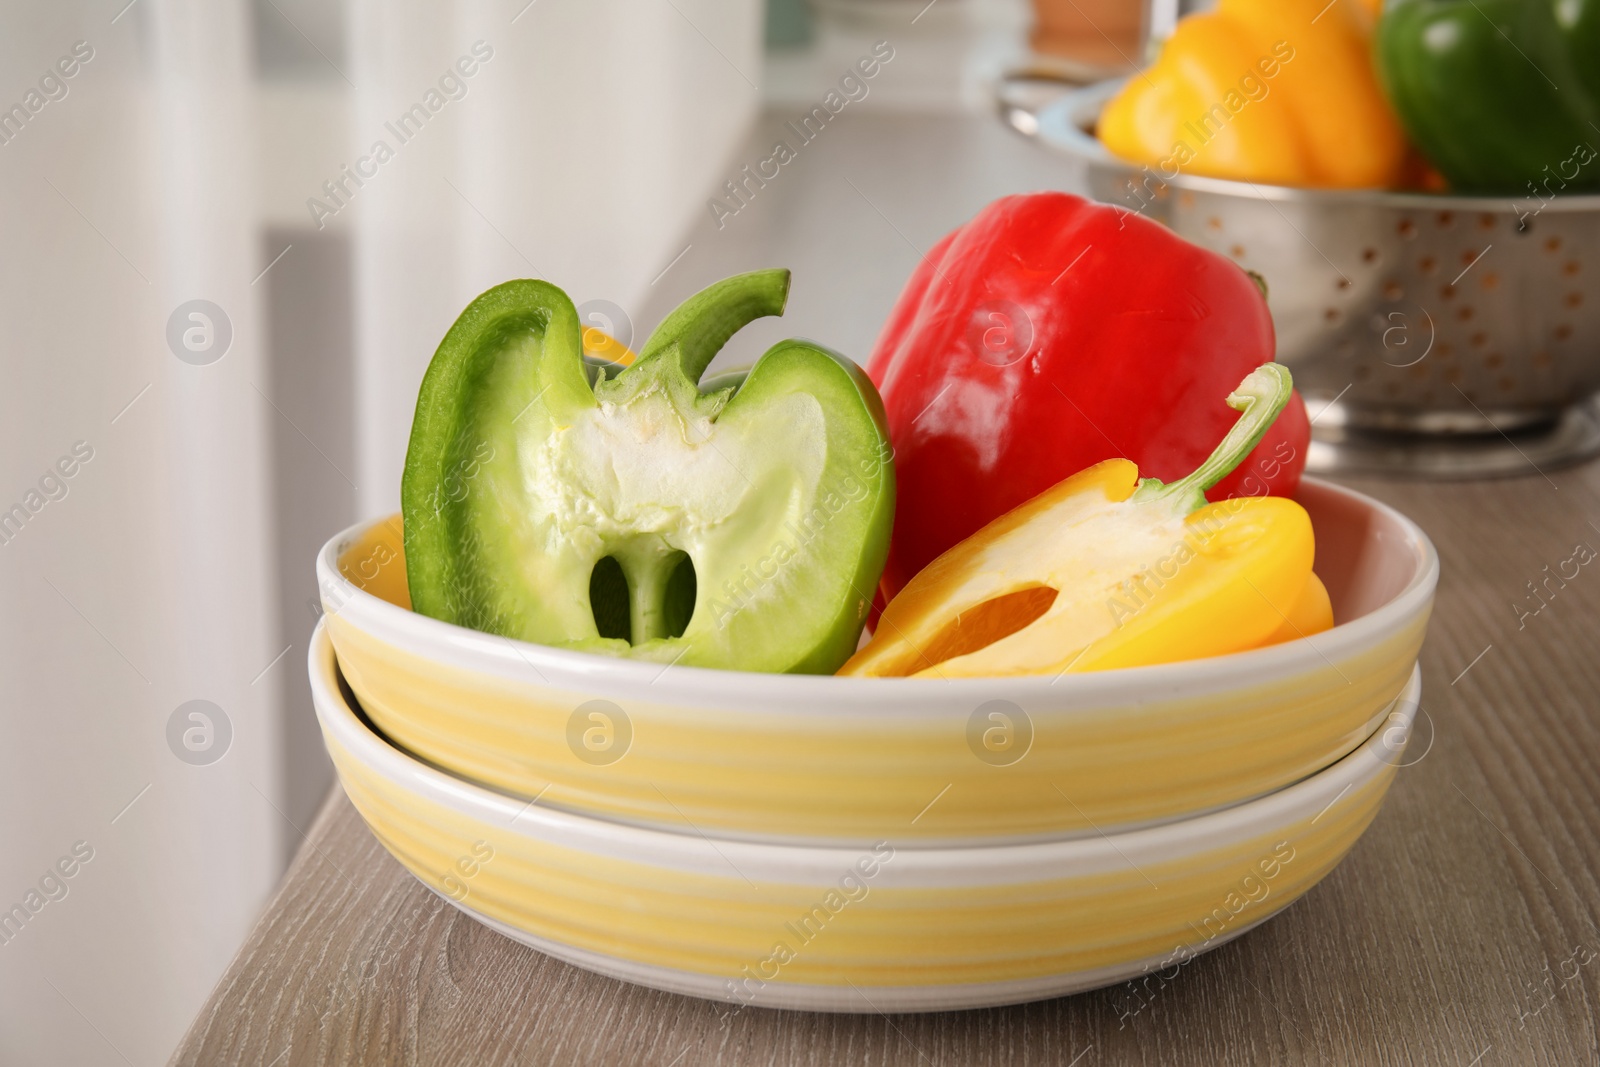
(144, 586)
(144, 664)
(580, 151)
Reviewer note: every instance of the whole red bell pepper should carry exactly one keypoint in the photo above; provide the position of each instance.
(1050, 333)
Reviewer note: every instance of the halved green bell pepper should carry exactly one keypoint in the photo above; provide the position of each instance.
(741, 526)
(1498, 94)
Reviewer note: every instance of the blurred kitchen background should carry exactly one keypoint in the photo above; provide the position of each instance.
(219, 296)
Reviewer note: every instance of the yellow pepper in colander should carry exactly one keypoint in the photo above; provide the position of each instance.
(1276, 91)
(1109, 570)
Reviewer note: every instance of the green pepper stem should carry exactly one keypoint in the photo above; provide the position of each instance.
(1258, 399)
(702, 324)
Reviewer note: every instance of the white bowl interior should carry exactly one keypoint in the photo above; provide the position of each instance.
(1367, 565)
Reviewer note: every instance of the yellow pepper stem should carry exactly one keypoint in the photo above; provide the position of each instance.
(1259, 398)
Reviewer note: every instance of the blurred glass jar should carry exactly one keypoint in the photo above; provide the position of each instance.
(1100, 33)
(788, 23)
(1108, 34)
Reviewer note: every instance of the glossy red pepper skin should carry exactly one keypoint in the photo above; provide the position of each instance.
(1050, 333)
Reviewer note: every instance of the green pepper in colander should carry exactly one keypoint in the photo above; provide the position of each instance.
(1502, 96)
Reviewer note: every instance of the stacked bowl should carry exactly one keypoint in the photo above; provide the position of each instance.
(872, 844)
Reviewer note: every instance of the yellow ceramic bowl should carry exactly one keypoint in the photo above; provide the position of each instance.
(889, 925)
(854, 760)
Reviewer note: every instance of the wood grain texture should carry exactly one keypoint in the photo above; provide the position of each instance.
(1447, 936)
(1461, 930)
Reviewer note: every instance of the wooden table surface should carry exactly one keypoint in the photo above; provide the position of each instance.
(1460, 931)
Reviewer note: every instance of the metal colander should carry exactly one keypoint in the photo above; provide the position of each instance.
(1452, 335)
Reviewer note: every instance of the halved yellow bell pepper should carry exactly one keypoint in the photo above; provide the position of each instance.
(1276, 91)
(1108, 570)
(1312, 613)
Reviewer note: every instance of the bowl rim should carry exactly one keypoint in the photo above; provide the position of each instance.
(702, 687)
(1062, 125)
(979, 863)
